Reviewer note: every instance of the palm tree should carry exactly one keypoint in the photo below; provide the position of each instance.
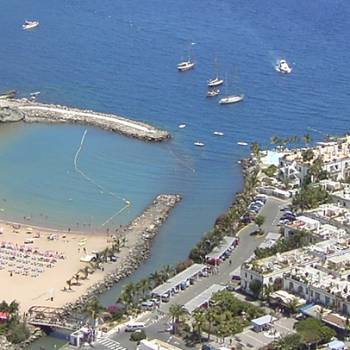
(156, 278)
(167, 271)
(13, 307)
(77, 277)
(128, 294)
(307, 139)
(198, 322)
(293, 306)
(124, 241)
(274, 140)
(267, 290)
(176, 312)
(210, 317)
(93, 308)
(116, 245)
(255, 149)
(86, 272)
(144, 286)
(69, 282)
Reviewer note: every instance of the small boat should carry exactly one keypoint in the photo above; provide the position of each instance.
(231, 99)
(182, 126)
(213, 92)
(36, 93)
(8, 94)
(242, 143)
(30, 24)
(215, 82)
(282, 67)
(185, 65)
(199, 144)
(218, 133)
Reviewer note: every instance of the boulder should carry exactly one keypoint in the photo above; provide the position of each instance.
(8, 114)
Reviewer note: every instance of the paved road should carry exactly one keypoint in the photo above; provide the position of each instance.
(156, 322)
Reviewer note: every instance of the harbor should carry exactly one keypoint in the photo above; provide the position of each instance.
(16, 110)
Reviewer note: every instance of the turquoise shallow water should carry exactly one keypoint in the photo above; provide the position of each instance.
(120, 57)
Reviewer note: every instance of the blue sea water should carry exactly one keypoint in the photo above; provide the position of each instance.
(120, 57)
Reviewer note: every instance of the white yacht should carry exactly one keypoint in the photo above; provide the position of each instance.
(185, 65)
(218, 133)
(213, 92)
(215, 82)
(199, 144)
(282, 67)
(231, 99)
(30, 24)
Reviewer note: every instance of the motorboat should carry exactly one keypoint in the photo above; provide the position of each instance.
(35, 93)
(215, 82)
(8, 94)
(218, 133)
(231, 99)
(199, 144)
(282, 67)
(242, 143)
(213, 92)
(182, 126)
(30, 25)
(185, 65)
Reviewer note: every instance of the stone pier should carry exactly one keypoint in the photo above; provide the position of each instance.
(14, 110)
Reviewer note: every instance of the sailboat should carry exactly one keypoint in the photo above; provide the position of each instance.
(229, 99)
(216, 81)
(186, 65)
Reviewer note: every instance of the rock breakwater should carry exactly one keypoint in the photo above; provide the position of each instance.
(32, 112)
(143, 228)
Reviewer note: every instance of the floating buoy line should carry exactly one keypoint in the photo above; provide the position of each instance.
(102, 190)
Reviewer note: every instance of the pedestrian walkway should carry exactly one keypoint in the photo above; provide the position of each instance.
(109, 344)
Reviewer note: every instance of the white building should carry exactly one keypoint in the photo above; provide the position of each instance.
(335, 156)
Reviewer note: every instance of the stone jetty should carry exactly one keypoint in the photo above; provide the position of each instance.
(143, 228)
(14, 110)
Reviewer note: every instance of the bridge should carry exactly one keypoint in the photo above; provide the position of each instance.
(53, 317)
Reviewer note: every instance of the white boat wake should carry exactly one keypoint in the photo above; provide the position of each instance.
(101, 188)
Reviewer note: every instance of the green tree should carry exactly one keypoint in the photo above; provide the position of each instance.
(288, 342)
(199, 319)
(255, 149)
(307, 155)
(93, 308)
(313, 331)
(307, 139)
(316, 171)
(259, 221)
(256, 287)
(69, 283)
(293, 306)
(177, 313)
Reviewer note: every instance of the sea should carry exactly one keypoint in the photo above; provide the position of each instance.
(120, 57)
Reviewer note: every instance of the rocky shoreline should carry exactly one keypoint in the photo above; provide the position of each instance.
(146, 227)
(15, 110)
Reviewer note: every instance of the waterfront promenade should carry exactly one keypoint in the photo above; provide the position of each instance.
(156, 322)
(32, 112)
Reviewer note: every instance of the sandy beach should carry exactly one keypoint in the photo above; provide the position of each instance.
(36, 263)
(45, 279)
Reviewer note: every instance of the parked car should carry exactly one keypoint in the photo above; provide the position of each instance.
(134, 326)
(261, 197)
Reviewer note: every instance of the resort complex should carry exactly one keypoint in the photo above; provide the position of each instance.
(153, 200)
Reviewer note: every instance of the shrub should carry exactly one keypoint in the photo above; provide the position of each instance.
(138, 335)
